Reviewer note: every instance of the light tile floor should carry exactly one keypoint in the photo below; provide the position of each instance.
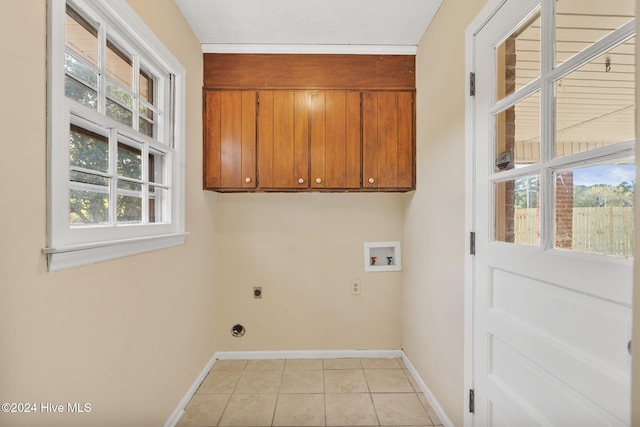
(309, 392)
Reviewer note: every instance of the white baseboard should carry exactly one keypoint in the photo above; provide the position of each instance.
(306, 354)
(427, 393)
(177, 413)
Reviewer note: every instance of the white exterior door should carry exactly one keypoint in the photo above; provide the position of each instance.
(552, 136)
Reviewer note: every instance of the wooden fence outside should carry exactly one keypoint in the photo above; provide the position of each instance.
(607, 230)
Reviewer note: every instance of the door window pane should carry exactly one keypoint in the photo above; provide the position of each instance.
(517, 212)
(518, 134)
(518, 58)
(595, 104)
(580, 23)
(594, 208)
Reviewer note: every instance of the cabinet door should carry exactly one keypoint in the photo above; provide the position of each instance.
(388, 140)
(335, 139)
(230, 139)
(283, 139)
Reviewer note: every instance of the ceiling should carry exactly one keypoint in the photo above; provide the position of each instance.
(309, 26)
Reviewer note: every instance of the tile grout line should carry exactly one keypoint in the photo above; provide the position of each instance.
(325, 391)
(233, 392)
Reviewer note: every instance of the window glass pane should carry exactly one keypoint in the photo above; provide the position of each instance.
(579, 23)
(145, 127)
(518, 58)
(157, 167)
(594, 208)
(595, 104)
(517, 211)
(88, 150)
(147, 87)
(119, 113)
(116, 93)
(145, 111)
(129, 161)
(82, 93)
(88, 199)
(518, 134)
(81, 36)
(119, 65)
(87, 178)
(129, 202)
(146, 120)
(157, 203)
(80, 71)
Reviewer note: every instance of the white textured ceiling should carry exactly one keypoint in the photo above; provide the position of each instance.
(322, 26)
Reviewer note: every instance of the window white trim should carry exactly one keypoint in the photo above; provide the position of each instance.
(71, 247)
(79, 255)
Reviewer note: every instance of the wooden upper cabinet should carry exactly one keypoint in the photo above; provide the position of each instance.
(229, 139)
(388, 140)
(283, 139)
(309, 122)
(335, 139)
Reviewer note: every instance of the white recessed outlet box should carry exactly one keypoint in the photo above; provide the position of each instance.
(382, 256)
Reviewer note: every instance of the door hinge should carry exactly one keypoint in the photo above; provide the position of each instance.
(472, 84)
(472, 243)
(472, 403)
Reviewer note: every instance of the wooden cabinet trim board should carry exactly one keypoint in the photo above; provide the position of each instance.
(308, 71)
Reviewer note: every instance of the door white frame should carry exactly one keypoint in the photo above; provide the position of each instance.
(478, 23)
(472, 30)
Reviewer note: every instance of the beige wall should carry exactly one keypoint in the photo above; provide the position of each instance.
(128, 336)
(434, 218)
(304, 249)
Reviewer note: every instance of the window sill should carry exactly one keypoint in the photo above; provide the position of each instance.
(79, 255)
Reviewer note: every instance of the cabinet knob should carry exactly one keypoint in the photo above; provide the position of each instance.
(318, 180)
(247, 180)
(300, 181)
(371, 180)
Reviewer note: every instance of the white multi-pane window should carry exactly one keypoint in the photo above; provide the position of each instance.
(115, 146)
